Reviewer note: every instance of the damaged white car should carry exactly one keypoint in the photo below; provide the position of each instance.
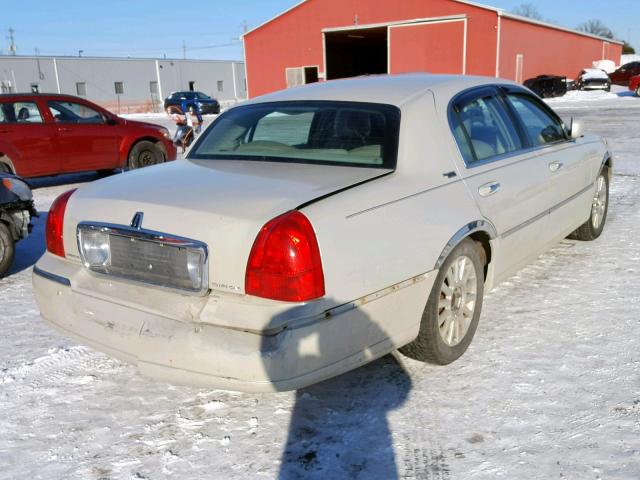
(315, 229)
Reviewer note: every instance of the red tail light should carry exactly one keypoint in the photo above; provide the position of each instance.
(284, 263)
(55, 224)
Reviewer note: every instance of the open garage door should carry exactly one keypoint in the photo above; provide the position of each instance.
(350, 53)
(434, 47)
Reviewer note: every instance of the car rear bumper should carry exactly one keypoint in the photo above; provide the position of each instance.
(168, 346)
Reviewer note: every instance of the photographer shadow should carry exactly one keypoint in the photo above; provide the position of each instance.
(339, 428)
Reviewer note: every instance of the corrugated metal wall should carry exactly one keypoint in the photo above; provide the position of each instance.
(145, 81)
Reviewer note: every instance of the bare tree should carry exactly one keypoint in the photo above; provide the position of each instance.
(528, 10)
(596, 27)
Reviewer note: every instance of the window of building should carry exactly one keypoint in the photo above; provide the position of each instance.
(220, 85)
(81, 89)
(119, 88)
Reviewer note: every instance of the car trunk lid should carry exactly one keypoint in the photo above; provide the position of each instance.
(222, 203)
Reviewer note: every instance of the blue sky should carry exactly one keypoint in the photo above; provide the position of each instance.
(210, 28)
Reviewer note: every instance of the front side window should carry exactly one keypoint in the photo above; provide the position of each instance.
(19, 112)
(483, 129)
(71, 112)
(541, 127)
(322, 132)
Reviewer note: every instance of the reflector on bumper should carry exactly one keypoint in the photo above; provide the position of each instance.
(144, 256)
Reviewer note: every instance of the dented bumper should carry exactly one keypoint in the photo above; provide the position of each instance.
(201, 341)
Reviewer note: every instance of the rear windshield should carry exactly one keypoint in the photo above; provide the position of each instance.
(323, 132)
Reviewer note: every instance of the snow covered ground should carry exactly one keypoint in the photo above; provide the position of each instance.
(550, 387)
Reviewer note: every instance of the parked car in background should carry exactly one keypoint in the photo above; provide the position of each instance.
(623, 75)
(634, 85)
(315, 229)
(592, 79)
(16, 210)
(192, 102)
(49, 134)
(547, 86)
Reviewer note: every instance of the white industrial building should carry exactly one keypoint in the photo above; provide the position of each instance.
(123, 85)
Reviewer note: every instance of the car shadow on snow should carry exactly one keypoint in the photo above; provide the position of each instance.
(339, 428)
(29, 250)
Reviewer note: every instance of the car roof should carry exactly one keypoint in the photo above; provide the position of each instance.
(4, 96)
(389, 89)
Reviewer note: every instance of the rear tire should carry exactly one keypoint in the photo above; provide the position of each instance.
(7, 249)
(144, 154)
(638, 91)
(451, 316)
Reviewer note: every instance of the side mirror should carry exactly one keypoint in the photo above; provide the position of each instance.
(112, 121)
(575, 130)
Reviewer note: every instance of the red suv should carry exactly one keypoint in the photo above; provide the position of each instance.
(622, 75)
(47, 134)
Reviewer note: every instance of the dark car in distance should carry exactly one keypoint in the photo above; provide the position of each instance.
(51, 134)
(192, 102)
(623, 75)
(547, 86)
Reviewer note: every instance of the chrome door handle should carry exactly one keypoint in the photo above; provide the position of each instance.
(64, 129)
(488, 189)
(555, 166)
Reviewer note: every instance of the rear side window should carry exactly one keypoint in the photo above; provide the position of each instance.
(540, 126)
(323, 132)
(483, 129)
(19, 112)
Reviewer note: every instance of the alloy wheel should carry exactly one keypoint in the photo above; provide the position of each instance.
(458, 297)
(599, 204)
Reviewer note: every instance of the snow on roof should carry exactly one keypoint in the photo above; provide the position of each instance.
(594, 73)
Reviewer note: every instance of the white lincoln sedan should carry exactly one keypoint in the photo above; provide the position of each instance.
(315, 229)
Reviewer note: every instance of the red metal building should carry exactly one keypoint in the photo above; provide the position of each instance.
(327, 39)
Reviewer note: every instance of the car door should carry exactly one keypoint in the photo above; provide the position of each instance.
(567, 161)
(84, 138)
(22, 126)
(508, 182)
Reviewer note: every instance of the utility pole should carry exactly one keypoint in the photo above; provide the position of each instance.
(12, 43)
(245, 26)
(184, 50)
